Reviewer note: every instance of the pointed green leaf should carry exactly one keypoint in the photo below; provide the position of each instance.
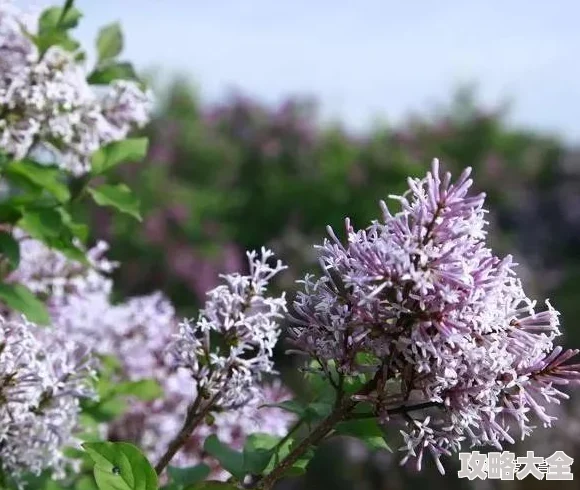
(367, 430)
(232, 461)
(258, 452)
(47, 177)
(132, 149)
(103, 75)
(184, 477)
(109, 42)
(22, 299)
(291, 406)
(120, 466)
(117, 196)
(55, 18)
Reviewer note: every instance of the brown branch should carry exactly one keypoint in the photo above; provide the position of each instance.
(192, 420)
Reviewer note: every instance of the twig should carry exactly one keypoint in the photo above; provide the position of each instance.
(192, 420)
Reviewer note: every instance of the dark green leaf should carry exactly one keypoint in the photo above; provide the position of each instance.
(367, 430)
(9, 212)
(120, 466)
(117, 196)
(105, 411)
(132, 149)
(49, 226)
(43, 176)
(109, 42)
(103, 75)
(183, 477)
(22, 299)
(289, 406)
(232, 461)
(9, 248)
(258, 451)
(41, 223)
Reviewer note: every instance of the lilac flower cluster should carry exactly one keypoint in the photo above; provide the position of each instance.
(456, 350)
(47, 104)
(229, 347)
(138, 332)
(43, 375)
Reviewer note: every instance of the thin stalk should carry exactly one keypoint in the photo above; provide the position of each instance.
(346, 404)
(192, 420)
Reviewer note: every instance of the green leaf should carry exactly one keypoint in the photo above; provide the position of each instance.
(144, 389)
(105, 411)
(258, 451)
(184, 477)
(47, 177)
(55, 38)
(291, 406)
(55, 18)
(120, 466)
(117, 196)
(103, 75)
(41, 223)
(132, 149)
(109, 42)
(85, 483)
(367, 430)
(10, 248)
(9, 212)
(232, 461)
(215, 485)
(22, 299)
(49, 226)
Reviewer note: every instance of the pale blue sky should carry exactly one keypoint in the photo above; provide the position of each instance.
(366, 58)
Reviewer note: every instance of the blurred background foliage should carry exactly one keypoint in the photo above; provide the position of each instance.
(221, 179)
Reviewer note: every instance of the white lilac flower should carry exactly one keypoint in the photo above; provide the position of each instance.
(53, 276)
(46, 102)
(447, 322)
(230, 345)
(138, 331)
(43, 376)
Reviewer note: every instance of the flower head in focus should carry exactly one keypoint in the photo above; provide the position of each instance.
(419, 303)
(229, 347)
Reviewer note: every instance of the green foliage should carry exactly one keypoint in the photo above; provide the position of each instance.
(9, 249)
(232, 461)
(22, 299)
(185, 478)
(108, 157)
(120, 466)
(103, 75)
(117, 196)
(259, 450)
(109, 42)
(41, 176)
(366, 430)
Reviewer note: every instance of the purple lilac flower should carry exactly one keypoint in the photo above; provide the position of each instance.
(458, 350)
